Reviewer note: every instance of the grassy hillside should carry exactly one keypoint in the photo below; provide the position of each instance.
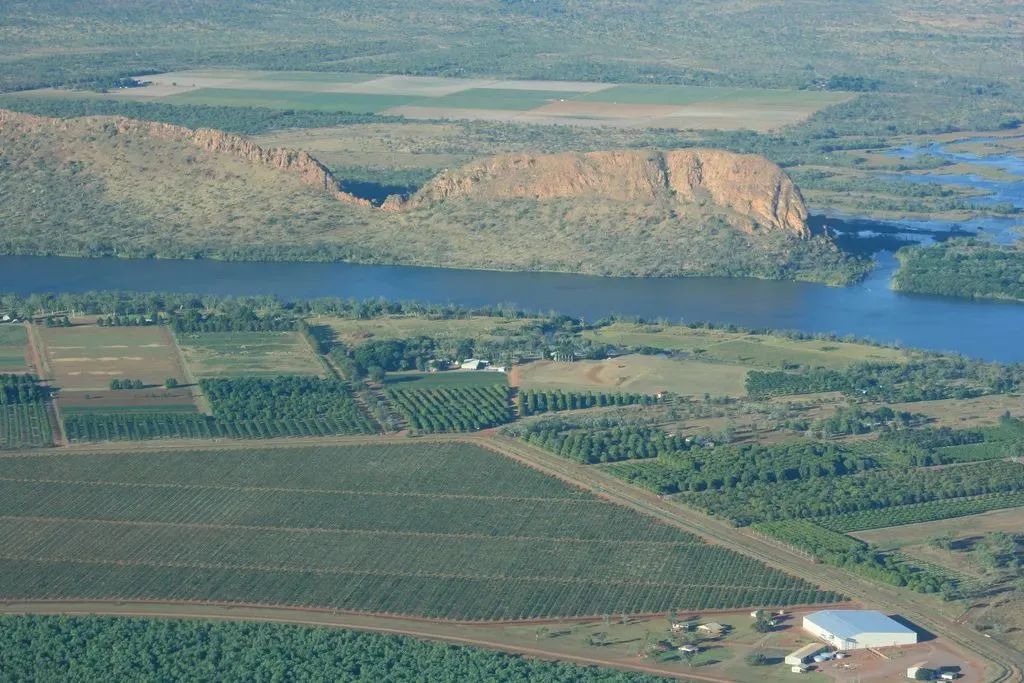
(101, 186)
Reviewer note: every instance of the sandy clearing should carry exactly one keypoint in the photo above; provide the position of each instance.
(607, 109)
(564, 86)
(428, 86)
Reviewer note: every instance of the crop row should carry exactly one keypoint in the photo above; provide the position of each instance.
(259, 527)
(459, 409)
(455, 598)
(174, 425)
(404, 469)
(532, 401)
(25, 425)
(921, 512)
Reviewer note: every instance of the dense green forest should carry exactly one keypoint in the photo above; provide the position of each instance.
(45, 648)
(962, 268)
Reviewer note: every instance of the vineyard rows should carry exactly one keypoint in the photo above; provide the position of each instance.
(467, 535)
(25, 425)
(456, 409)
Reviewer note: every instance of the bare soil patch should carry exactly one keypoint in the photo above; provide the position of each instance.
(87, 357)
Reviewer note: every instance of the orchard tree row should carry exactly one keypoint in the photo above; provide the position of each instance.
(534, 401)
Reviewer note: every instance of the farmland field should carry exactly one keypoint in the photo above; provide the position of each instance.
(87, 357)
(13, 348)
(756, 350)
(635, 374)
(537, 102)
(354, 331)
(248, 354)
(380, 528)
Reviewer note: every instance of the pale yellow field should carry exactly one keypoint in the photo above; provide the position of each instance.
(635, 373)
(753, 350)
(355, 332)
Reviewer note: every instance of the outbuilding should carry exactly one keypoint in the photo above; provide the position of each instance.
(853, 629)
(804, 654)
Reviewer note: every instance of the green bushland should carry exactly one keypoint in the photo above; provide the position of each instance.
(962, 267)
(25, 425)
(79, 648)
(843, 551)
(925, 380)
(535, 401)
(241, 120)
(440, 530)
(742, 467)
(454, 408)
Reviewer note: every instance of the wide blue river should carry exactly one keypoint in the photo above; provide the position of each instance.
(871, 309)
(984, 329)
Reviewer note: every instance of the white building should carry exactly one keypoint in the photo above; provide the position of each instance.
(851, 629)
(804, 654)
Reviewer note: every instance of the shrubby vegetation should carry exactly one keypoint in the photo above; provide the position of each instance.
(962, 268)
(599, 440)
(857, 420)
(927, 380)
(80, 648)
(286, 399)
(745, 466)
(241, 120)
(850, 553)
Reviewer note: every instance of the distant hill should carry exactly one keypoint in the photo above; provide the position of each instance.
(116, 186)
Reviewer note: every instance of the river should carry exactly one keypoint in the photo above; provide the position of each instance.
(871, 309)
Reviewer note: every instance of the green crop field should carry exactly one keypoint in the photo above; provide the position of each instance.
(13, 345)
(248, 354)
(499, 98)
(443, 530)
(357, 103)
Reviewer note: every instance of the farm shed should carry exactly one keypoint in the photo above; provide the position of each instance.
(857, 629)
(804, 654)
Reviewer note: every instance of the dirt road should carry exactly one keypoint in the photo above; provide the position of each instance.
(1004, 663)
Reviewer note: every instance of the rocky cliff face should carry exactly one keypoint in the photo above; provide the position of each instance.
(297, 162)
(751, 188)
(750, 191)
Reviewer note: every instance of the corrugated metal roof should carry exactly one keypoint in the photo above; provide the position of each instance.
(849, 623)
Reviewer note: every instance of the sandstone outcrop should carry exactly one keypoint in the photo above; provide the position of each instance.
(309, 170)
(748, 190)
(749, 186)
